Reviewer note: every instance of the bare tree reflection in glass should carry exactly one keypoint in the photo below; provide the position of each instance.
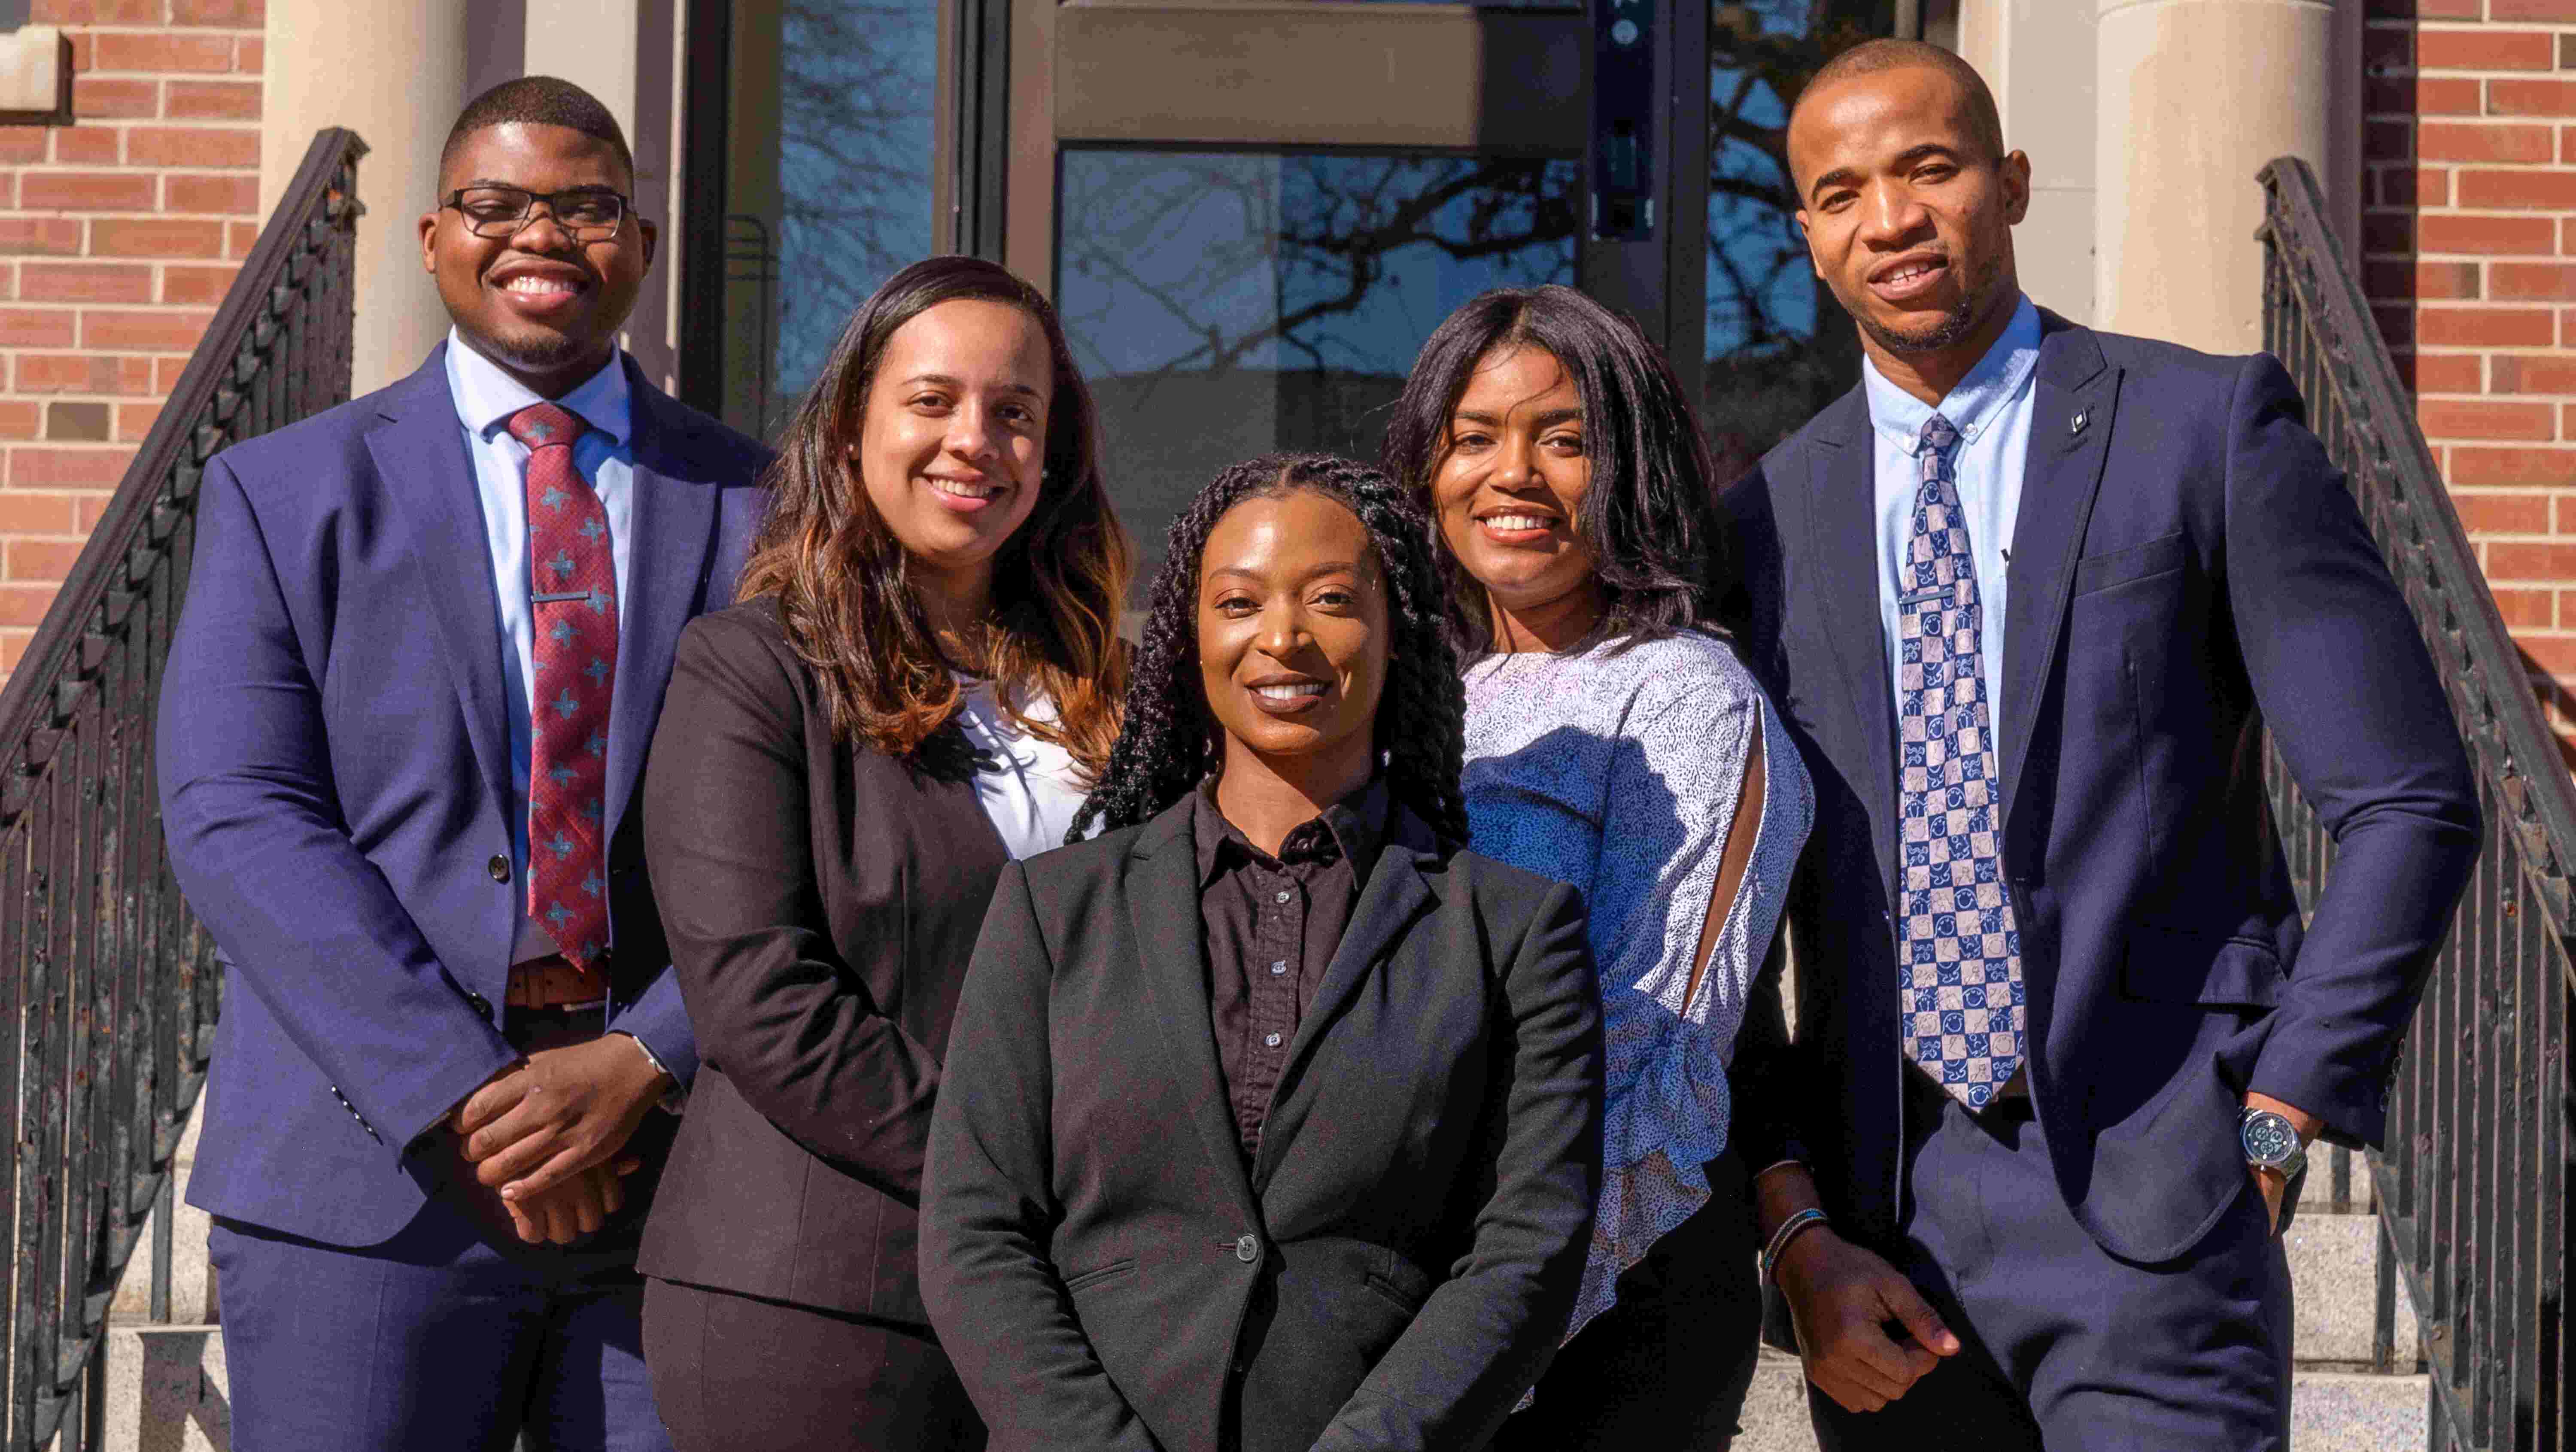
(1778, 346)
(1229, 303)
(854, 157)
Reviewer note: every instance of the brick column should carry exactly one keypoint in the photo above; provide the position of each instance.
(118, 235)
(2470, 248)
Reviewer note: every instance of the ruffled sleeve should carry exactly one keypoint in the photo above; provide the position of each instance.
(1677, 774)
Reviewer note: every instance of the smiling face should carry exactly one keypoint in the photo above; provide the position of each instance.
(1292, 638)
(540, 302)
(1908, 211)
(952, 443)
(1508, 488)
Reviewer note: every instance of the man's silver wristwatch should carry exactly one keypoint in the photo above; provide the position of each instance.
(2271, 1143)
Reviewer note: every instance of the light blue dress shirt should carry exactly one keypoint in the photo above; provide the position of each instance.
(1991, 409)
(485, 399)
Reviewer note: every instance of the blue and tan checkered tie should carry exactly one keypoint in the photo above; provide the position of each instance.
(1958, 946)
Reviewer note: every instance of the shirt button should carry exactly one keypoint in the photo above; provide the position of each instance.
(1270, 1040)
(1279, 966)
(1283, 895)
(1248, 1249)
(499, 867)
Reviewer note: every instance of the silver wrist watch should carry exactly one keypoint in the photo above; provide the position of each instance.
(2271, 1143)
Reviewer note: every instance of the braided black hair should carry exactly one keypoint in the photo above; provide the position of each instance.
(1169, 741)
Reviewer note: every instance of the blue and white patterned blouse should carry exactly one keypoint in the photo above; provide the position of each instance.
(1618, 773)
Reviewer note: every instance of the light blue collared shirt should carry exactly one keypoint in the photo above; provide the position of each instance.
(485, 399)
(1991, 409)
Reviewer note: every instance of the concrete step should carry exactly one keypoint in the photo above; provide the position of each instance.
(2316, 1190)
(1775, 1410)
(2334, 1279)
(2344, 1411)
(2329, 1411)
(192, 1280)
(165, 1391)
(166, 1383)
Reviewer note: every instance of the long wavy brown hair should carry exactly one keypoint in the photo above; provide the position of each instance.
(844, 583)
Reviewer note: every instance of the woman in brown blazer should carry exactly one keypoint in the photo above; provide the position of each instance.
(916, 689)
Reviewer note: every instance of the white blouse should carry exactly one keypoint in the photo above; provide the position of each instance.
(1029, 787)
(1618, 772)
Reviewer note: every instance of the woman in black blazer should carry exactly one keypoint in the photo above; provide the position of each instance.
(1273, 1115)
(914, 690)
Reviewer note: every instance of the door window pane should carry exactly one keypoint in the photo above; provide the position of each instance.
(828, 183)
(1778, 346)
(1225, 304)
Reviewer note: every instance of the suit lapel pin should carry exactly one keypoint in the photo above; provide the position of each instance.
(2076, 424)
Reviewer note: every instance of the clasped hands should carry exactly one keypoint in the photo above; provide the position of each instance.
(545, 1132)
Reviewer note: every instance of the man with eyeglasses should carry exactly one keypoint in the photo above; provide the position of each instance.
(423, 652)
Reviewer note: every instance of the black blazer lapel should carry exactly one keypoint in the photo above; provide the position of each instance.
(674, 525)
(1393, 897)
(420, 450)
(2070, 435)
(1842, 482)
(1162, 891)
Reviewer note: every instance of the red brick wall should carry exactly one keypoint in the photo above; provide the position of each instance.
(2469, 240)
(118, 235)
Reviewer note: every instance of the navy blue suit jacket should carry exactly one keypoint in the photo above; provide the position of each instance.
(335, 777)
(2187, 567)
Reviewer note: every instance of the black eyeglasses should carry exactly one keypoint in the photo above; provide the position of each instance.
(589, 215)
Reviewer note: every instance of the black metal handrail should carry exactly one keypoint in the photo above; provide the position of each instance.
(108, 987)
(2471, 1190)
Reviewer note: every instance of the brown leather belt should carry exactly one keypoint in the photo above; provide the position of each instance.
(555, 981)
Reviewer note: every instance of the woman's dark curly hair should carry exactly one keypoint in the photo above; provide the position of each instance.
(1650, 514)
(1169, 742)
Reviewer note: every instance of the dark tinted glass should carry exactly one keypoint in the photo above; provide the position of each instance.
(1778, 346)
(1225, 304)
(828, 182)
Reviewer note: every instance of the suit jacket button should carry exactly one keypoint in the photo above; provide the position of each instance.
(499, 867)
(479, 1004)
(1248, 1249)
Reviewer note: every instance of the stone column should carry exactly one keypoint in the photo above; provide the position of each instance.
(2195, 96)
(394, 72)
(628, 53)
(2037, 57)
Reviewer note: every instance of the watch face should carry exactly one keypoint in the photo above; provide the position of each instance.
(2269, 1139)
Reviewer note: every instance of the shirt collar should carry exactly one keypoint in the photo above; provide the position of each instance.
(486, 397)
(1353, 828)
(1978, 401)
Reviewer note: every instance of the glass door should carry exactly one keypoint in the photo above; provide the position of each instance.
(1775, 347)
(830, 175)
(1256, 212)
(1252, 212)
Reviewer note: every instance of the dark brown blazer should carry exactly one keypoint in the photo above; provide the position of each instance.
(1399, 1260)
(821, 901)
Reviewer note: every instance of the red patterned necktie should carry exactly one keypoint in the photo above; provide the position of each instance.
(572, 593)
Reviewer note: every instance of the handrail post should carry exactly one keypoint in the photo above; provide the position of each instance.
(2470, 1188)
(108, 985)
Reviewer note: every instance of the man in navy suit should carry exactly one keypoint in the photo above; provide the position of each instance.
(423, 652)
(2028, 598)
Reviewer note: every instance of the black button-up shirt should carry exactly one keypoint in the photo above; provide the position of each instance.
(1269, 927)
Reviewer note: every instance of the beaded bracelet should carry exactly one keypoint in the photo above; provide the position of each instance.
(1788, 1231)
